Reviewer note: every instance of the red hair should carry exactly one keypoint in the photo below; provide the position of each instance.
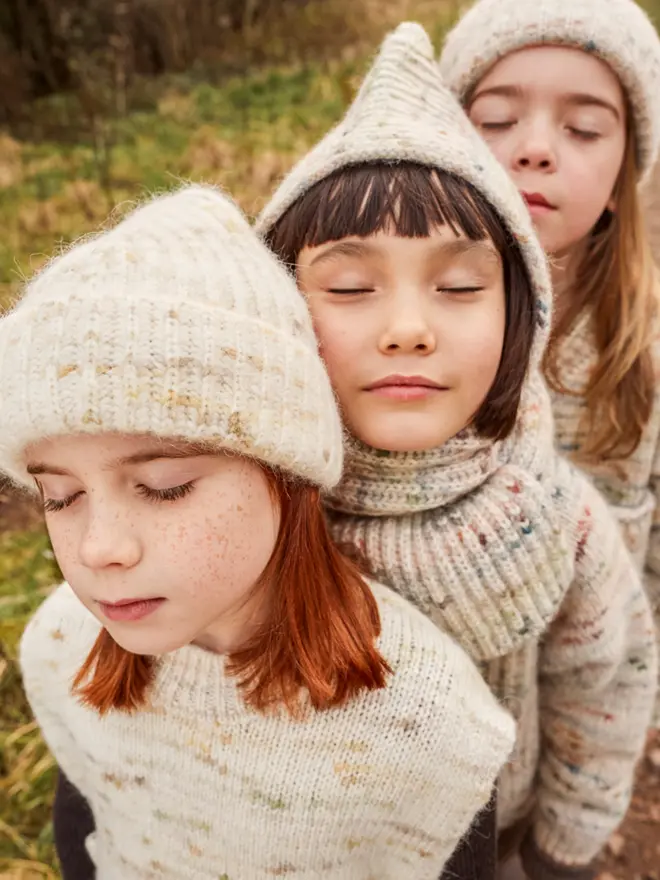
(319, 643)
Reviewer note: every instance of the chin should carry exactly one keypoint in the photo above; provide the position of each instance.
(402, 440)
(152, 645)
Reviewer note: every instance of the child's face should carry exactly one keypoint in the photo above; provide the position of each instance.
(555, 118)
(411, 332)
(182, 535)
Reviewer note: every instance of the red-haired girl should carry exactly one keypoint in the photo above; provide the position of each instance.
(224, 689)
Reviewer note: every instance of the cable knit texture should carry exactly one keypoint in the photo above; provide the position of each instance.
(617, 31)
(179, 323)
(631, 485)
(504, 545)
(379, 790)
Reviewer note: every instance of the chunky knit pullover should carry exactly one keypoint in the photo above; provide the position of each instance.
(631, 486)
(199, 786)
(570, 651)
(504, 545)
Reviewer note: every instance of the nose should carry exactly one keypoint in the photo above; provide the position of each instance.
(408, 329)
(535, 150)
(109, 540)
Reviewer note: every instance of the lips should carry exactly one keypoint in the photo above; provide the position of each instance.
(405, 389)
(405, 382)
(130, 609)
(537, 200)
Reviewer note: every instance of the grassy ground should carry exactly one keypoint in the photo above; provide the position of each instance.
(243, 133)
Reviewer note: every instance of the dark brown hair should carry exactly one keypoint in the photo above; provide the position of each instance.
(413, 200)
(318, 646)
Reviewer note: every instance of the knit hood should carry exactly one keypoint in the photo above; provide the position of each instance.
(617, 32)
(470, 527)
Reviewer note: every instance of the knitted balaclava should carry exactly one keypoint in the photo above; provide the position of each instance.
(178, 323)
(616, 31)
(469, 527)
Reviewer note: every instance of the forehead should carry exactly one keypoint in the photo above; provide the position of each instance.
(555, 69)
(387, 245)
(103, 447)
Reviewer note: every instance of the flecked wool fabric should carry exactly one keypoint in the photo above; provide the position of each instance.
(631, 485)
(384, 787)
(141, 329)
(504, 545)
(617, 31)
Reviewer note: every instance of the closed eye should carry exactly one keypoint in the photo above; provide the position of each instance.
(583, 134)
(350, 290)
(174, 493)
(496, 126)
(459, 290)
(53, 505)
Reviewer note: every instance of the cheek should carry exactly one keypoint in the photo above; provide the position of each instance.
(342, 340)
(591, 177)
(500, 144)
(476, 347)
(230, 548)
(65, 542)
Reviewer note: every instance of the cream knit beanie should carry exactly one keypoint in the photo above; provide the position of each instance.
(179, 323)
(616, 31)
(403, 112)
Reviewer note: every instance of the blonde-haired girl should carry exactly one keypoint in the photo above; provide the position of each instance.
(567, 95)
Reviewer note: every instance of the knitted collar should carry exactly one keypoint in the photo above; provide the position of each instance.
(473, 532)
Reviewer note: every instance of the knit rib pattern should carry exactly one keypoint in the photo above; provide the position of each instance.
(630, 485)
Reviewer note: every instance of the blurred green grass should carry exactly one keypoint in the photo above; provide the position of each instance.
(242, 133)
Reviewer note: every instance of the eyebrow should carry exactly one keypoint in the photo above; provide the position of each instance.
(577, 99)
(147, 455)
(344, 249)
(455, 248)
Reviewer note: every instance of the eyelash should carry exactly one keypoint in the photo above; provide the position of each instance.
(584, 135)
(175, 493)
(578, 132)
(496, 126)
(460, 290)
(350, 290)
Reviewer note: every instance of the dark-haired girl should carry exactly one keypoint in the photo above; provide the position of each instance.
(431, 301)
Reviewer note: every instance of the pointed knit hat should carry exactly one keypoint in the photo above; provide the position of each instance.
(617, 31)
(179, 323)
(404, 112)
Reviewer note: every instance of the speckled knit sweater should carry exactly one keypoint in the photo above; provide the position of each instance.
(381, 789)
(631, 486)
(504, 545)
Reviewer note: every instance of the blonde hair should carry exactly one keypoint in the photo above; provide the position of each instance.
(616, 280)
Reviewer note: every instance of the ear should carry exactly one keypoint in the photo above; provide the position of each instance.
(611, 204)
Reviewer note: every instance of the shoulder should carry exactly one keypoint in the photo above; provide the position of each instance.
(57, 638)
(588, 517)
(439, 722)
(435, 679)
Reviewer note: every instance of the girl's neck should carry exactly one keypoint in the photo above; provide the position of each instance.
(235, 629)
